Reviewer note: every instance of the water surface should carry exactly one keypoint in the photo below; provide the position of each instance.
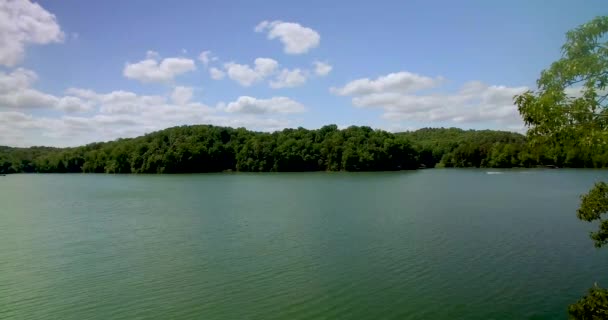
(429, 244)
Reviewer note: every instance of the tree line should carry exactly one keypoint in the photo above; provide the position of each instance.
(206, 148)
(498, 149)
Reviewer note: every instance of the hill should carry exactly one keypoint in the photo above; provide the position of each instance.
(205, 148)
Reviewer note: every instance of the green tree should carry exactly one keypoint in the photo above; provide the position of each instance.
(205, 148)
(594, 205)
(569, 111)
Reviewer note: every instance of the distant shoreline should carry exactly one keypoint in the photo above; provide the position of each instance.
(206, 148)
(481, 170)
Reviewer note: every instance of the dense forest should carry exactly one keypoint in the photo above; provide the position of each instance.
(204, 148)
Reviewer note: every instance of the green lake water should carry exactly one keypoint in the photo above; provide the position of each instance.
(429, 244)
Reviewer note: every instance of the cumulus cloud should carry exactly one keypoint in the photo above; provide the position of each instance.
(401, 82)
(22, 23)
(265, 66)
(7, 117)
(216, 74)
(152, 69)
(21, 129)
(289, 79)
(120, 114)
(398, 96)
(251, 105)
(322, 68)
(73, 104)
(151, 54)
(27, 99)
(246, 75)
(120, 101)
(296, 38)
(205, 57)
(16, 80)
(16, 93)
(182, 95)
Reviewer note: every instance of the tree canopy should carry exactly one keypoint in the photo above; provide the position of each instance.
(569, 110)
(204, 148)
(569, 107)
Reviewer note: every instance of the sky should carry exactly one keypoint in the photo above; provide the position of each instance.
(75, 72)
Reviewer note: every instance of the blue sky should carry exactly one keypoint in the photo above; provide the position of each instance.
(74, 72)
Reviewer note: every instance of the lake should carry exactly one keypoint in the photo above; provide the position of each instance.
(427, 244)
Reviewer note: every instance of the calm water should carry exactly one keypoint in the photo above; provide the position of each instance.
(434, 244)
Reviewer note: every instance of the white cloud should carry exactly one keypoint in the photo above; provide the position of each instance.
(216, 74)
(121, 113)
(246, 75)
(400, 99)
(243, 74)
(17, 80)
(252, 122)
(127, 114)
(21, 23)
(27, 99)
(265, 66)
(121, 116)
(250, 105)
(13, 116)
(296, 38)
(578, 91)
(322, 68)
(151, 54)
(73, 104)
(182, 95)
(119, 102)
(154, 70)
(205, 57)
(289, 79)
(16, 93)
(488, 104)
(400, 82)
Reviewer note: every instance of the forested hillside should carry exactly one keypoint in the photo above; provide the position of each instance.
(496, 149)
(205, 148)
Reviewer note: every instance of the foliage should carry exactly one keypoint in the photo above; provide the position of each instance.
(593, 205)
(593, 306)
(569, 111)
(205, 148)
(494, 149)
(569, 107)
